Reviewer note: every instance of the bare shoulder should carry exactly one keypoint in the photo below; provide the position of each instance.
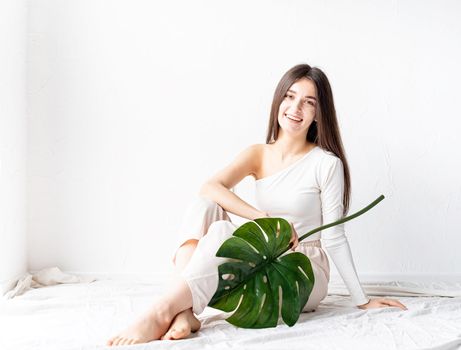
(261, 150)
(253, 155)
(253, 151)
(244, 164)
(255, 148)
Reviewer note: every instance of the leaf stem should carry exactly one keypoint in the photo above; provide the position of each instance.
(338, 222)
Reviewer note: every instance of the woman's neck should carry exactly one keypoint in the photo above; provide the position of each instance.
(290, 146)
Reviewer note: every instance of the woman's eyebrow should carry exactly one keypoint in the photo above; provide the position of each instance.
(294, 92)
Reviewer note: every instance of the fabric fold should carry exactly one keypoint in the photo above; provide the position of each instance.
(46, 277)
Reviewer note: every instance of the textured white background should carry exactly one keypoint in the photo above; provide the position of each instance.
(133, 104)
(13, 259)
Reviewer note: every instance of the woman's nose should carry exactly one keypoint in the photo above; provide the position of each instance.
(297, 104)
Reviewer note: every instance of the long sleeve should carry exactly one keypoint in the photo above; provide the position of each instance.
(334, 239)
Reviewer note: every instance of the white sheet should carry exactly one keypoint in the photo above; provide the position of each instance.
(82, 316)
(402, 288)
(46, 277)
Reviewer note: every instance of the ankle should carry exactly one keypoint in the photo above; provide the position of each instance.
(163, 310)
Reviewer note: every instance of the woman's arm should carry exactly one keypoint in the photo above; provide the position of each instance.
(336, 243)
(218, 188)
(334, 239)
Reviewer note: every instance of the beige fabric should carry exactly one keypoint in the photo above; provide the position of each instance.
(207, 222)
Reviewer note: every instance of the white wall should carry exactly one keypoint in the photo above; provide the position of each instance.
(133, 104)
(12, 142)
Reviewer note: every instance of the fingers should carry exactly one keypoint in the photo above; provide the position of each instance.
(293, 246)
(381, 303)
(295, 243)
(294, 238)
(398, 304)
(392, 302)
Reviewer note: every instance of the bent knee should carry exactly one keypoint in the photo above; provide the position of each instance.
(223, 226)
(189, 243)
(218, 232)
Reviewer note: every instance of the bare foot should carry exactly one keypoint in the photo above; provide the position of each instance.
(149, 327)
(183, 324)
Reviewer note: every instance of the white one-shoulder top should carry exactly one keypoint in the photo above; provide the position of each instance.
(309, 193)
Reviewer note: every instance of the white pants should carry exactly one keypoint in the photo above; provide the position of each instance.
(209, 223)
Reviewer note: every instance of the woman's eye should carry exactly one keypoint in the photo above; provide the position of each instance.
(289, 96)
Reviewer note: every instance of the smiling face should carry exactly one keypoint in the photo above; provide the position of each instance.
(297, 110)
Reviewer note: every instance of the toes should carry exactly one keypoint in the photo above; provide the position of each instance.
(125, 341)
(112, 340)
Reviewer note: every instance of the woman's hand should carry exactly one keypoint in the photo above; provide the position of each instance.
(382, 302)
(294, 238)
(294, 235)
(260, 215)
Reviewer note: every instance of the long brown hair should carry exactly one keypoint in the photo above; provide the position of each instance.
(325, 132)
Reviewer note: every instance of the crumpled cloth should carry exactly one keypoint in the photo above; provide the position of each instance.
(46, 277)
(402, 288)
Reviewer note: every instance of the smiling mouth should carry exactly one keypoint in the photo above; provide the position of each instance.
(293, 118)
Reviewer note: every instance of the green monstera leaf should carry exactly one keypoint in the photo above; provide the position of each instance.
(260, 282)
(262, 277)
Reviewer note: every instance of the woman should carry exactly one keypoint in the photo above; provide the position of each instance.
(301, 174)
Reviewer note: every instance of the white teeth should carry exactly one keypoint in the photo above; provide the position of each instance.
(293, 118)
